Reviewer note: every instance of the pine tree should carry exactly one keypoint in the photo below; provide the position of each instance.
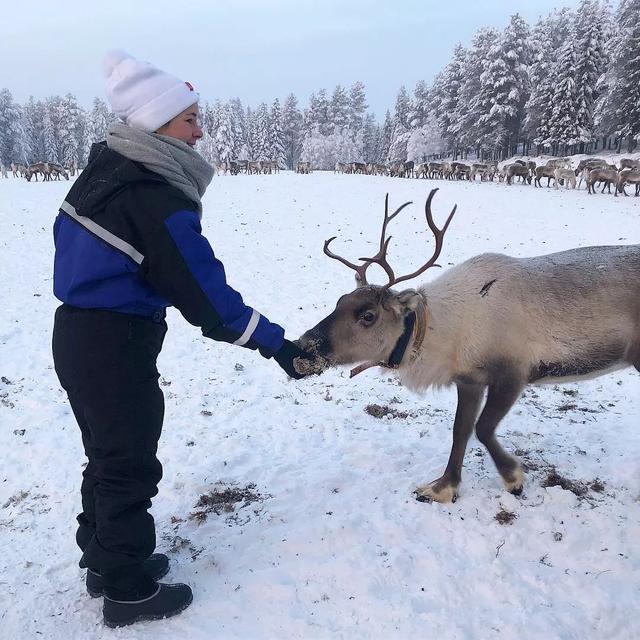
(399, 136)
(276, 135)
(452, 81)
(357, 106)
(338, 113)
(505, 88)
(50, 143)
(9, 122)
(563, 127)
(224, 134)
(370, 133)
(32, 119)
(590, 63)
(419, 105)
(385, 138)
(292, 130)
(100, 118)
(239, 126)
(262, 132)
(618, 110)
(468, 109)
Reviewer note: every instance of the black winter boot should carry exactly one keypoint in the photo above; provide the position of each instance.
(156, 566)
(167, 600)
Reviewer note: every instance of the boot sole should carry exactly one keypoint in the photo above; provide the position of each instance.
(100, 593)
(146, 617)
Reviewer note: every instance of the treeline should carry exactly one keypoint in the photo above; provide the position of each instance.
(570, 84)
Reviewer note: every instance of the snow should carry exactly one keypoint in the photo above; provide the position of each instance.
(337, 547)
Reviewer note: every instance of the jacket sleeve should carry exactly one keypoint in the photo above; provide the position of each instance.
(181, 265)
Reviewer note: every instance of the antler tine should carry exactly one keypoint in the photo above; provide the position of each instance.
(360, 269)
(439, 236)
(381, 257)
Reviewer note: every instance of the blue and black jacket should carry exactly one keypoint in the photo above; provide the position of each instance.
(128, 241)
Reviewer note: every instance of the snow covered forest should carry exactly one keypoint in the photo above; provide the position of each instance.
(568, 84)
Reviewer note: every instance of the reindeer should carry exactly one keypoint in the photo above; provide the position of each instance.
(544, 171)
(380, 169)
(36, 168)
(358, 167)
(421, 170)
(493, 323)
(3, 171)
(631, 176)
(564, 174)
(629, 163)
(254, 167)
(302, 167)
(477, 168)
(595, 176)
(520, 170)
(57, 170)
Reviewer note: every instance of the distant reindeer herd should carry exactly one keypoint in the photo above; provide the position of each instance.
(48, 171)
(593, 171)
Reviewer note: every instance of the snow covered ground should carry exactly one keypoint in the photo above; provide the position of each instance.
(327, 540)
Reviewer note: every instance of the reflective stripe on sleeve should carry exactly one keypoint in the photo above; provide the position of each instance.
(248, 332)
(103, 234)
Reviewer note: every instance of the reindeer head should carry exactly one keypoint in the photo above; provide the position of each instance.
(374, 324)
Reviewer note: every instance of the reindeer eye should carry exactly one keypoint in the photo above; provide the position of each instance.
(367, 318)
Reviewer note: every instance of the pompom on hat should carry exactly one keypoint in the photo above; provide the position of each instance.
(143, 96)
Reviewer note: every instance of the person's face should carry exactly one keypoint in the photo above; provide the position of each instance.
(185, 126)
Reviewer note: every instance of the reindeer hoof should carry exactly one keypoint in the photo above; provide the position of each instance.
(437, 491)
(516, 482)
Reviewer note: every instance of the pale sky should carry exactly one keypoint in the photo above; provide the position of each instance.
(252, 49)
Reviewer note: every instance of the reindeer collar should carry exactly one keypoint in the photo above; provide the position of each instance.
(415, 325)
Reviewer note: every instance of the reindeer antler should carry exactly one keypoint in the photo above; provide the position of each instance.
(438, 235)
(381, 257)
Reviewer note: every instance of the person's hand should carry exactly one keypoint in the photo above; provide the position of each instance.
(293, 359)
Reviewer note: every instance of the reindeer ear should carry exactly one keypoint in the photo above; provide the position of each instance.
(409, 300)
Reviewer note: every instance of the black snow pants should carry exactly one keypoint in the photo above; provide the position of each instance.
(106, 362)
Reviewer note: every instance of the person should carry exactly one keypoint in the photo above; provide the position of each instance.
(128, 243)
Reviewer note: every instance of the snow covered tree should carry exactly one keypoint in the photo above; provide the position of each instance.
(419, 105)
(563, 125)
(317, 115)
(400, 133)
(338, 114)
(9, 125)
(32, 122)
(591, 32)
(239, 128)
(276, 135)
(505, 88)
(262, 132)
(452, 80)
(370, 139)
(100, 118)
(385, 138)
(426, 140)
(618, 110)
(224, 139)
(466, 115)
(291, 130)
(50, 143)
(357, 106)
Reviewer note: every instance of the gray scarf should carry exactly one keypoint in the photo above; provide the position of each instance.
(182, 166)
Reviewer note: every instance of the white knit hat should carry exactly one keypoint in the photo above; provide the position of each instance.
(142, 95)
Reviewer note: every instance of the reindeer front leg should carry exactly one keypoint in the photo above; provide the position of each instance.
(445, 488)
